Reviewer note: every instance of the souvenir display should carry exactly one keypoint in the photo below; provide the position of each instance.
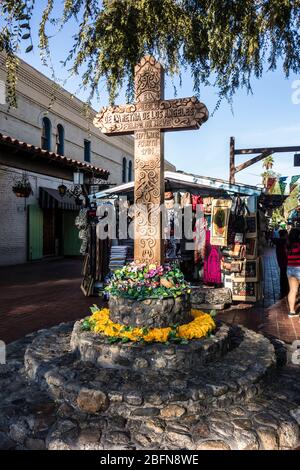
(244, 291)
(212, 263)
(185, 199)
(249, 271)
(251, 225)
(220, 219)
(221, 251)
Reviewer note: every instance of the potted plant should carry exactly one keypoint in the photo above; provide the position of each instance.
(149, 295)
(22, 187)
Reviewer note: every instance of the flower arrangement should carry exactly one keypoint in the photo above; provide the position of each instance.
(99, 322)
(22, 187)
(140, 281)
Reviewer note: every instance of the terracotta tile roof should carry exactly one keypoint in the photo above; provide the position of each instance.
(37, 151)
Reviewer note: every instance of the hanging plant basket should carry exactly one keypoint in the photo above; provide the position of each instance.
(22, 188)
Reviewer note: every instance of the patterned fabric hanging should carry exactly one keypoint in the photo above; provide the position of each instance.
(212, 263)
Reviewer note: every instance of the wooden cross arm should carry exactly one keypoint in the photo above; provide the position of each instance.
(253, 160)
(166, 115)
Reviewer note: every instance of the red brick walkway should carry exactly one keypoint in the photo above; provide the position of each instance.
(39, 295)
(271, 316)
(42, 294)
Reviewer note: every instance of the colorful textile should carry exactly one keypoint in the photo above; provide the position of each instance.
(196, 200)
(200, 236)
(212, 263)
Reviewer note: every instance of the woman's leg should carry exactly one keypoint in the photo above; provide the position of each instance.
(294, 285)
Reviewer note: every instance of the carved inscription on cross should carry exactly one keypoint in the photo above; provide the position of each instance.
(148, 118)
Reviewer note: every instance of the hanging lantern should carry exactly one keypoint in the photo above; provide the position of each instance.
(62, 189)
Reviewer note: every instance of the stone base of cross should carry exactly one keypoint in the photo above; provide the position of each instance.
(147, 119)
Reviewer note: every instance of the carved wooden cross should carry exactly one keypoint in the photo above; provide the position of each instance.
(147, 119)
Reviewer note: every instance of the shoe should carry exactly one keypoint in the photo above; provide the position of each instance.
(293, 314)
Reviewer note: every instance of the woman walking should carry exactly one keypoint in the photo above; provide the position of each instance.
(293, 269)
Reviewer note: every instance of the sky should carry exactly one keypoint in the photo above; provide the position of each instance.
(269, 117)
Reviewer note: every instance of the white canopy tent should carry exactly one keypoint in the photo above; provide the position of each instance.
(180, 181)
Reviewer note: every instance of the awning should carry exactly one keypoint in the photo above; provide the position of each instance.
(50, 198)
(187, 182)
(44, 156)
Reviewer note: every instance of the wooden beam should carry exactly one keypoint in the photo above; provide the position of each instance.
(294, 148)
(232, 162)
(250, 162)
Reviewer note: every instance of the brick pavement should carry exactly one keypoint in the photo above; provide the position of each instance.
(39, 295)
(271, 315)
(42, 294)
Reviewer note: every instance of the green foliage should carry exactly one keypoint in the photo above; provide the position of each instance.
(268, 162)
(277, 216)
(224, 39)
(14, 29)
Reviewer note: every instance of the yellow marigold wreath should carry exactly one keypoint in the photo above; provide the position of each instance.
(201, 326)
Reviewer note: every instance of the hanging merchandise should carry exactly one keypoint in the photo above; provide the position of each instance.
(207, 201)
(81, 222)
(212, 263)
(177, 198)
(239, 213)
(169, 203)
(293, 183)
(196, 201)
(185, 199)
(168, 195)
(200, 236)
(220, 219)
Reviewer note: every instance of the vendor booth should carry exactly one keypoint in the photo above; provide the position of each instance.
(220, 251)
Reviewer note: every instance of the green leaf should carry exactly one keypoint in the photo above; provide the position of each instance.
(113, 339)
(94, 308)
(26, 36)
(86, 326)
(29, 49)
(125, 340)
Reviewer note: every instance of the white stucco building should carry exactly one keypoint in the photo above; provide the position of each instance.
(49, 118)
(47, 138)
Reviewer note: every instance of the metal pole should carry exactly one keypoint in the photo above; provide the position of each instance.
(232, 162)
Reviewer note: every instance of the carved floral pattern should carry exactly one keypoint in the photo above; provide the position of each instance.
(150, 114)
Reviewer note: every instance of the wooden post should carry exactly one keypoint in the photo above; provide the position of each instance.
(232, 162)
(148, 118)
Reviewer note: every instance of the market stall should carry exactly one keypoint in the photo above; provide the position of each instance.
(220, 252)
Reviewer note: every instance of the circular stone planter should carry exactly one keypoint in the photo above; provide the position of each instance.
(150, 313)
(96, 349)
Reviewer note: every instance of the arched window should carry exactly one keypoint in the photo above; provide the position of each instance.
(124, 165)
(60, 140)
(46, 134)
(130, 170)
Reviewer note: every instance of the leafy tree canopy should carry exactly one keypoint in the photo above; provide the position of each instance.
(226, 41)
